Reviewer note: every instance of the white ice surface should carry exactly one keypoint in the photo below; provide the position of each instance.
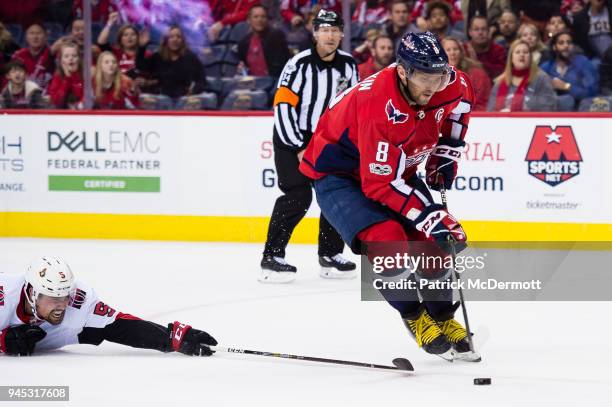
(547, 354)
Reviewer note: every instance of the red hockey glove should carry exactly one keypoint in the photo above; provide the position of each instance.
(192, 342)
(441, 167)
(437, 224)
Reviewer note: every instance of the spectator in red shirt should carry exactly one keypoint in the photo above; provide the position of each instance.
(112, 89)
(228, 12)
(569, 8)
(128, 42)
(382, 56)
(370, 12)
(37, 58)
(363, 52)
(480, 80)
(66, 87)
(100, 10)
(20, 92)
(264, 51)
(480, 47)
(292, 11)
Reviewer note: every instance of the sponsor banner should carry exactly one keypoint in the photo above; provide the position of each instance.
(550, 170)
(535, 170)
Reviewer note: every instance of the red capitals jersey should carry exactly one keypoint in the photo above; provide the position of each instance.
(38, 67)
(372, 134)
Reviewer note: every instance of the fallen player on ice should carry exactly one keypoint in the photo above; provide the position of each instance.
(47, 309)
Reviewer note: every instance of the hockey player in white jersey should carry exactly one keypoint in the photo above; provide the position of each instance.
(47, 309)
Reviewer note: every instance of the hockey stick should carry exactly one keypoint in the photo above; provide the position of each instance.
(400, 363)
(451, 241)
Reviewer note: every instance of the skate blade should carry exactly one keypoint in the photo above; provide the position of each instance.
(468, 356)
(333, 274)
(449, 355)
(276, 277)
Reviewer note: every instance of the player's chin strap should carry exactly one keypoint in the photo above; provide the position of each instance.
(32, 302)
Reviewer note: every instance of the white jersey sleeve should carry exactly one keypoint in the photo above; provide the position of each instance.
(11, 286)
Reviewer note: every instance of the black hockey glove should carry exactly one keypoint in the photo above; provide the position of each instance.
(20, 340)
(192, 342)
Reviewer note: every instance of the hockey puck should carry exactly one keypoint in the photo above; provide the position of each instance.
(481, 381)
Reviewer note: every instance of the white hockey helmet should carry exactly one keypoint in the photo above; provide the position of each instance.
(50, 276)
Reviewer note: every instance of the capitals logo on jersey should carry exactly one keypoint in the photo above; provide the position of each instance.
(394, 114)
(553, 156)
(1, 296)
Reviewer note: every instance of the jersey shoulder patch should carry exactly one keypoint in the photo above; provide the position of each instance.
(78, 299)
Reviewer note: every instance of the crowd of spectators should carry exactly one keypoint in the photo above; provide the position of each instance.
(549, 55)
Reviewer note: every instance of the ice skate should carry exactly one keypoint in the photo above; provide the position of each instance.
(337, 267)
(456, 334)
(276, 270)
(428, 335)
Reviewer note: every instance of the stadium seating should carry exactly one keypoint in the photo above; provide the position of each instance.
(242, 99)
(203, 101)
(596, 104)
(16, 32)
(54, 32)
(155, 102)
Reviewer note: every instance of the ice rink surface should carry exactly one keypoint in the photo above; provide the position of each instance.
(544, 353)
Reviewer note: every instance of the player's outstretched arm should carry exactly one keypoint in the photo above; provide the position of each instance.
(137, 333)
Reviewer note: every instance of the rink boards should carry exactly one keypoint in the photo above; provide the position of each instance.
(212, 177)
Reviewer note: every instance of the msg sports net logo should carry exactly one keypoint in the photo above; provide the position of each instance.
(553, 156)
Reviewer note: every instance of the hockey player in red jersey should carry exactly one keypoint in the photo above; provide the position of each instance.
(47, 309)
(363, 159)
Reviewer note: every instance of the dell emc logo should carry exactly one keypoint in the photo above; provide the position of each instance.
(73, 141)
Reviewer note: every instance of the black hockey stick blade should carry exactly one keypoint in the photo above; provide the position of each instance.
(403, 364)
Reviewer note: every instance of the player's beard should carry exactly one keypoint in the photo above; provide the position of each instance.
(405, 87)
(55, 317)
(406, 90)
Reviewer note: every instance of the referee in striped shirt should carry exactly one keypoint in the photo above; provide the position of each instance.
(307, 84)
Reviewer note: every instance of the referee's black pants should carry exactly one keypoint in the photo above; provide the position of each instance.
(291, 207)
